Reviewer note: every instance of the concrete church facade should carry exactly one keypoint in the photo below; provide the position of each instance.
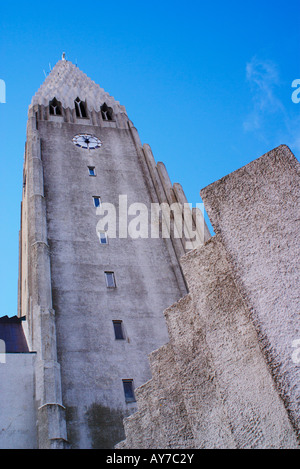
(93, 303)
(223, 368)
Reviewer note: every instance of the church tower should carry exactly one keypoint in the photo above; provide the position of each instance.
(93, 302)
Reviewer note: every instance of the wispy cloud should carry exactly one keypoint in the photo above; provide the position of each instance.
(268, 111)
(263, 78)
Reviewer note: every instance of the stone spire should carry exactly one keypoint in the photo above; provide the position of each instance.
(66, 82)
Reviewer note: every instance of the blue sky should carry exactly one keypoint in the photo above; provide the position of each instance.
(207, 84)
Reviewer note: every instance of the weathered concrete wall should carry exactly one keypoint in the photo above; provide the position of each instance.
(256, 211)
(35, 298)
(223, 392)
(18, 411)
(93, 363)
(238, 397)
(161, 420)
(227, 385)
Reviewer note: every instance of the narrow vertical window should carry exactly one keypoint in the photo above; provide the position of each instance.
(118, 329)
(97, 201)
(106, 112)
(92, 171)
(110, 279)
(128, 390)
(103, 237)
(55, 107)
(80, 108)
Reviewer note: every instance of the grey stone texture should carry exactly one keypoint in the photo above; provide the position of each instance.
(256, 212)
(18, 412)
(230, 339)
(66, 82)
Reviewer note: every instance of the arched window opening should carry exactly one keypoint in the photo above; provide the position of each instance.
(107, 112)
(80, 108)
(55, 107)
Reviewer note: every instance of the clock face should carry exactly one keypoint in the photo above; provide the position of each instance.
(87, 141)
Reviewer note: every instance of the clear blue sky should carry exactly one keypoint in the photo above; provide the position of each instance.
(207, 84)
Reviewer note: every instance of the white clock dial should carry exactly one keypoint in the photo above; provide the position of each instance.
(87, 141)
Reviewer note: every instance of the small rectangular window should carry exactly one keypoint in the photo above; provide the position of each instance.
(103, 237)
(118, 328)
(92, 171)
(110, 280)
(97, 201)
(128, 390)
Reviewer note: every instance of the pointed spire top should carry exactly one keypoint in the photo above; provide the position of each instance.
(66, 82)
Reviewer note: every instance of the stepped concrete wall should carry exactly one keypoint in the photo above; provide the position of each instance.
(226, 378)
(256, 212)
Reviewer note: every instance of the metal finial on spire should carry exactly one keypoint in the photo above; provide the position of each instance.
(63, 56)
